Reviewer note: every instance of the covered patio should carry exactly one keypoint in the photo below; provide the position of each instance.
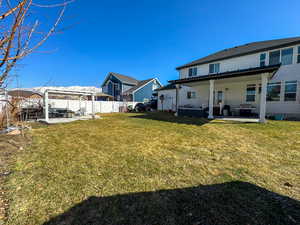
(65, 115)
(232, 95)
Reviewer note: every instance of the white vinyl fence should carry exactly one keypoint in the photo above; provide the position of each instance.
(86, 106)
(2, 102)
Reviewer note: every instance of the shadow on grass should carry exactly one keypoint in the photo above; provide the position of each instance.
(168, 117)
(234, 203)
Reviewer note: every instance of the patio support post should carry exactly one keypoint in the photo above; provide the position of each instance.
(177, 98)
(263, 98)
(93, 106)
(211, 99)
(46, 106)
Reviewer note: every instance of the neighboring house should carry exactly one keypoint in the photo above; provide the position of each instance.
(25, 94)
(115, 84)
(143, 91)
(123, 87)
(166, 98)
(27, 98)
(261, 78)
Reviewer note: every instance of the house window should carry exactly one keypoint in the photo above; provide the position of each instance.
(191, 94)
(274, 58)
(273, 91)
(214, 68)
(290, 92)
(250, 94)
(192, 72)
(287, 56)
(219, 97)
(298, 55)
(263, 59)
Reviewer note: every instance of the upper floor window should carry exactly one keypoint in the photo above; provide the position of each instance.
(192, 72)
(284, 56)
(273, 91)
(250, 95)
(263, 59)
(191, 94)
(298, 55)
(214, 68)
(287, 56)
(274, 58)
(290, 92)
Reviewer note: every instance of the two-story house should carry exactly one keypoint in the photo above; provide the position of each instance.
(260, 78)
(123, 87)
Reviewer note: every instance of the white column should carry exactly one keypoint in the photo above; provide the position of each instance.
(93, 106)
(211, 99)
(46, 106)
(177, 98)
(263, 98)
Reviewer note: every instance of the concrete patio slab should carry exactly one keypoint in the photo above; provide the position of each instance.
(239, 119)
(67, 120)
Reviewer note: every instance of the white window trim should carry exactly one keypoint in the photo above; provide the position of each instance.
(280, 55)
(265, 58)
(195, 96)
(292, 54)
(255, 95)
(192, 68)
(214, 68)
(297, 91)
(280, 93)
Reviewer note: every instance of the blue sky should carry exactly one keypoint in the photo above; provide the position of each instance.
(149, 38)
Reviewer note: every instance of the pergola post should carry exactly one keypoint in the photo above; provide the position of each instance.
(93, 106)
(177, 98)
(46, 106)
(263, 98)
(211, 99)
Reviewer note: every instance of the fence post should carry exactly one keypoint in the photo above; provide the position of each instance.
(93, 106)
(6, 109)
(46, 105)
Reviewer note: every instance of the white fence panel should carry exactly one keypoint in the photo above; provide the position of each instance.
(2, 102)
(99, 106)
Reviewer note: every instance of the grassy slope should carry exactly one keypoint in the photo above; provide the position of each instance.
(129, 153)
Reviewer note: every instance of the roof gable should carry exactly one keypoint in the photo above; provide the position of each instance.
(244, 50)
(138, 86)
(122, 78)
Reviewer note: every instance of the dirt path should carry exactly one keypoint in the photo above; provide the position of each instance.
(9, 147)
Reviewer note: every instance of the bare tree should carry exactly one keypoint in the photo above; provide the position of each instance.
(19, 34)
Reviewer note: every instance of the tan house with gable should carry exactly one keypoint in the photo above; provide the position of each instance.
(257, 79)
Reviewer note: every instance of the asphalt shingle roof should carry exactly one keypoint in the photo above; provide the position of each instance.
(125, 79)
(23, 93)
(244, 50)
(166, 87)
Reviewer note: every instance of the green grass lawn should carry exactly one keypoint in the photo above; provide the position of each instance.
(144, 169)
